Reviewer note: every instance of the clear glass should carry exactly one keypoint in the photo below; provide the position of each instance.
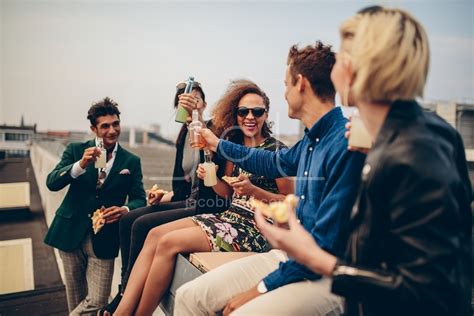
(359, 136)
(195, 138)
(102, 159)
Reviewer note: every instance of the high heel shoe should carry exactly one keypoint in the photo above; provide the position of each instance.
(112, 306)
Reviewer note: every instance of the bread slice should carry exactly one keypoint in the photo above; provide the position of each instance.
(279, 210)
(230, 180)
(156, 192)
(98, 220)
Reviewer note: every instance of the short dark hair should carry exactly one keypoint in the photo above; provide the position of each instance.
(107, 106)
(314, 63)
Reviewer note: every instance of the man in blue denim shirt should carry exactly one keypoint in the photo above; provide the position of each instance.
(327, 182)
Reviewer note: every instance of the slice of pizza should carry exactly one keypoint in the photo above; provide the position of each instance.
(98, 220)
(156, 193)
(230, 180)
(263, 207)
(281, 210)
(278, 211)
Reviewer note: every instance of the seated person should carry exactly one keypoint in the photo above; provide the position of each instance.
(328, 177)
(188, 197)
(240, 116)
(409, 251)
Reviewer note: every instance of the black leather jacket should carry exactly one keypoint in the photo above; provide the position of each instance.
(409, 251)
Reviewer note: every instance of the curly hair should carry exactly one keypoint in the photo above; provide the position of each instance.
(224, 113)
(107, 106)
(314, 63)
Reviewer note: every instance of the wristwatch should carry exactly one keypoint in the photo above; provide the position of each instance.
(262, 288)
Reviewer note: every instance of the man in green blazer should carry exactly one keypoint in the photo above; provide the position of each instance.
(117, 188)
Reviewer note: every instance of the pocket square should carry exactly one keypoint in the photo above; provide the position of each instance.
(124, 171)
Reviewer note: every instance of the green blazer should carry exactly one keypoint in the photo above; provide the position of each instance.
(72, 221)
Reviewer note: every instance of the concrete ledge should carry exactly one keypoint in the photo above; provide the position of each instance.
(14, 195)
(184, 272)
(16, 274)
(188, 269)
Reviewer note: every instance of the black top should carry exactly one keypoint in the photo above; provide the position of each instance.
(409, 251)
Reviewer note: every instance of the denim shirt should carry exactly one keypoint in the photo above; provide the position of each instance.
(328, 177)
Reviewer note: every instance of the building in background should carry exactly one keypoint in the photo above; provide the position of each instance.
(15, 141)
(460, 116)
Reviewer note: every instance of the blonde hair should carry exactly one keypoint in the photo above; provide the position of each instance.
(390, 55)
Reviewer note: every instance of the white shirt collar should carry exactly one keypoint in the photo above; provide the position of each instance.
(115, 148)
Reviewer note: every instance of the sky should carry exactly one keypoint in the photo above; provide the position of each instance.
(58, 57)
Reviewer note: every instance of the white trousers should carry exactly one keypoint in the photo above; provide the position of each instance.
(208, 294)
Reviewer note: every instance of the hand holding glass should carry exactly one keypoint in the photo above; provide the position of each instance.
(101, 160)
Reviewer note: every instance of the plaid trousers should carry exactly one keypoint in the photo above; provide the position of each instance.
(88, 279)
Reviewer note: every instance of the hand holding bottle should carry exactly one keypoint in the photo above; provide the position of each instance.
(182, 113)
(207, 171)
(188, 101)
(210, 139)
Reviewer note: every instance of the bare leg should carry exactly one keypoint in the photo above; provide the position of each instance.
(142, 265)
(181, 241)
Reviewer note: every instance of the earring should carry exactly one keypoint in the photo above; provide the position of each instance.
(269, 123)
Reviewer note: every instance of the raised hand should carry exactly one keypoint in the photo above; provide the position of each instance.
(211, 139)
(347, 134)
(90, 155)
(188, 102)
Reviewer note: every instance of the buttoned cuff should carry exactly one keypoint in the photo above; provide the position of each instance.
(76, 170)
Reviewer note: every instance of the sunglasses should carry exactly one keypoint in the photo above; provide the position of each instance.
(182, 85)
(257, 112)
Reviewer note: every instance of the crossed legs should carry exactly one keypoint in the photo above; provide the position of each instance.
(153, 270)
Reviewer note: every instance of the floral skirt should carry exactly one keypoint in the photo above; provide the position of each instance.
(232, 230)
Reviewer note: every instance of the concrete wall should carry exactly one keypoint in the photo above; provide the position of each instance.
(43, 162)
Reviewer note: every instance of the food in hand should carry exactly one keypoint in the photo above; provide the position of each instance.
(230, 180)
(156, 193)
(278, 211)
(98, 220)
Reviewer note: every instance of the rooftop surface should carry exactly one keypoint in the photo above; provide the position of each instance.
(48, 297)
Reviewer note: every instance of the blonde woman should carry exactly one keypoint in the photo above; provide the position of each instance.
(409, 248)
